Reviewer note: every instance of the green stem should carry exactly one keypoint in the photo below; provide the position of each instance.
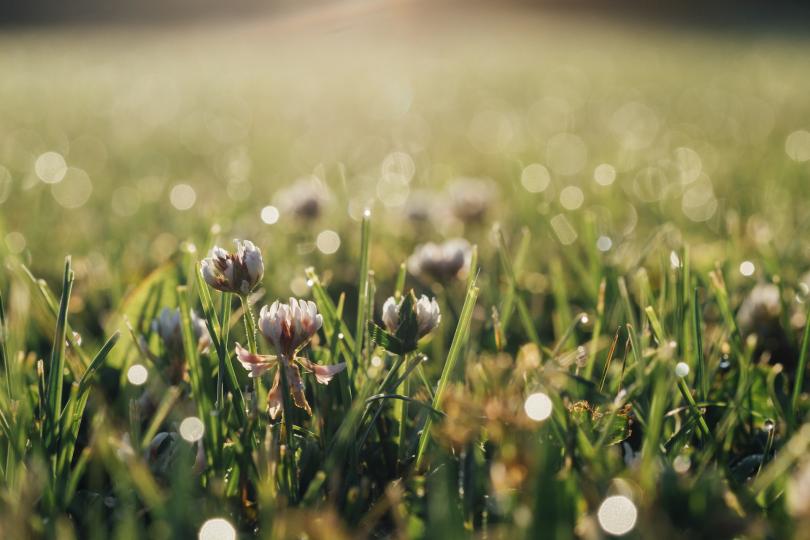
(287, 424)
(250, 323)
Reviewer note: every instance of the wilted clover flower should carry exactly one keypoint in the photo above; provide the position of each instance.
(304, 199)
(441, 262)
(288, 327)
(470, 198)
(406, 321)
(237, 272)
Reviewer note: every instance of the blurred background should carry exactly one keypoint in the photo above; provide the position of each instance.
(131, 132)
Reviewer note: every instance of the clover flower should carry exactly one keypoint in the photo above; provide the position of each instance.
(760, 309)
(427, 311)
(163, 455)
(441, 262)
(304, 199)
(288, 327)
(420, 207)
(470, 198)
(168, 327)
(760, 315)
(406, 321)
(237, 272)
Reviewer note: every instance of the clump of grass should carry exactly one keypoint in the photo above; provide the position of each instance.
(405, 442)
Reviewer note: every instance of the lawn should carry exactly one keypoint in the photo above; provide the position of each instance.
(498, 274)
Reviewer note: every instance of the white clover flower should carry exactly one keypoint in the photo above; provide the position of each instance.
(760, 309)
(471, 198)
(420, 207)
(304, 199)
(288, 327)
(167, 326)
(427, 311)
(163, 453)
(237, 272)
(441, 262)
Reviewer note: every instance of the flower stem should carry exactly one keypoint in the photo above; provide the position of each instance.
(287, 423)
(250, 323)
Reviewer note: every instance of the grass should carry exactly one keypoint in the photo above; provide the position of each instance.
(587, 283)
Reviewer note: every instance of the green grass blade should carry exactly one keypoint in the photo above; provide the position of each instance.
(4, 358)
(56, 367)
(459, 338)
(801, 371)
(363, 286)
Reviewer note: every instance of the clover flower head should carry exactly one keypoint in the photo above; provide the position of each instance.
(238, 272)
(167, 326)
(288, 327)
(304, 198)
(426, 310)
(441, 262)
(470, 198)
(760, 310)
(291, 325)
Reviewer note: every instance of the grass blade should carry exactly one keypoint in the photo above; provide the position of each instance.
(459, 337)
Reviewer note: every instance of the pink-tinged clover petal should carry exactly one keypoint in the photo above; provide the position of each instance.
(255, 364)
(274, 401)
(323, 374)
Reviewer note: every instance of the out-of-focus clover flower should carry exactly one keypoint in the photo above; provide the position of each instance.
(471, 198)
(419, 207)
(304, 199)
(760, 315)
(760, 309)
(168, 328)
(288, 327)
(237, 272)
(441, 262)
(406, 321)
(163, 453)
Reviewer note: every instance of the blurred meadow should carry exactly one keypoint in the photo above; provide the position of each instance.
(637, 195)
